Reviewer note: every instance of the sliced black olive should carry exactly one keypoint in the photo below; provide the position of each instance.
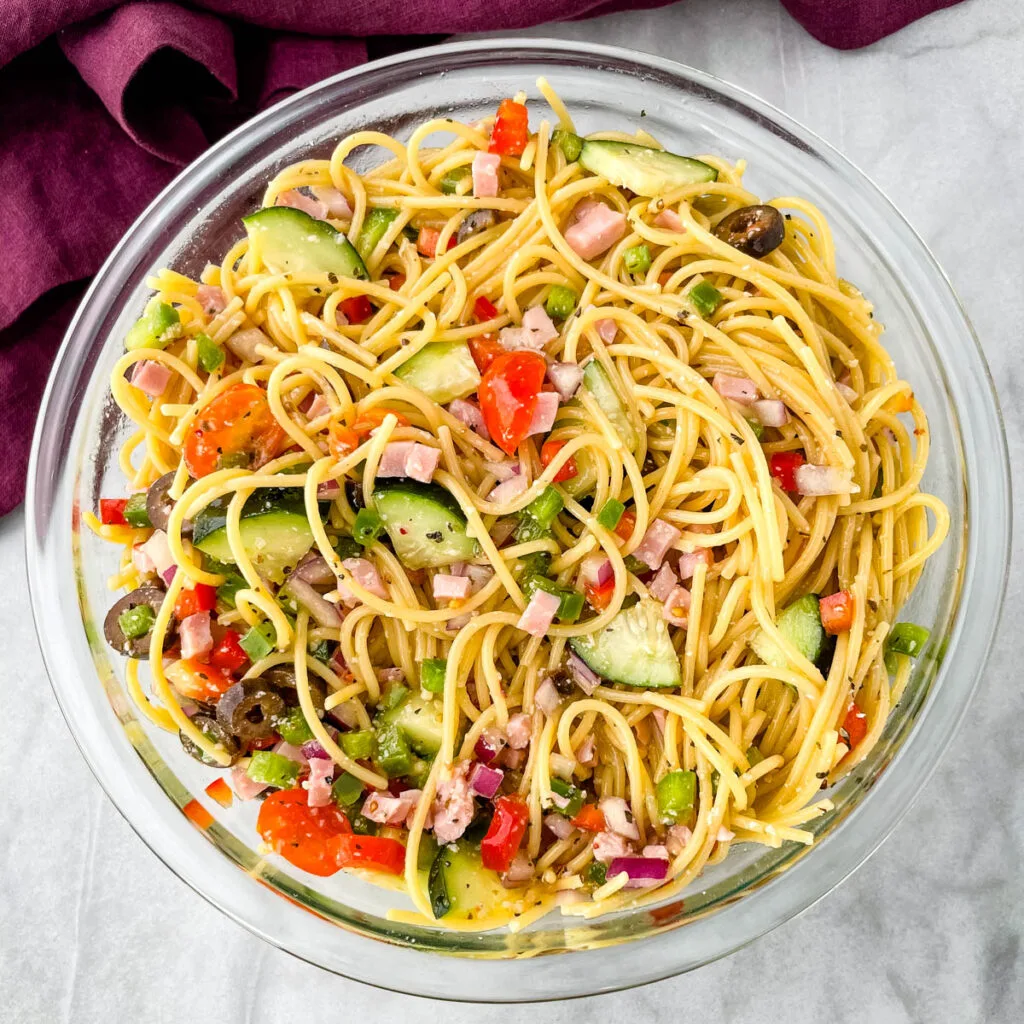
(283, 680)
(354, 495)
(754, 230)
(477, 221)
(211, 728)
(135, 647)
(248, 709)
(159, 505)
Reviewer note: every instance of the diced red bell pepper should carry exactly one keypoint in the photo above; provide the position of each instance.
(395, 282)
(511, 131)
(599, 596)
(220, 791)
(590, 819)
(484, 309)
(302, 834)
(228, 653)
(855, 724)
(508, 826)
(485, 348)
(626, 524)
(112, 511)
(783, 466)
(837, 612)
(200, 598)
(357, 309)
(548, 451)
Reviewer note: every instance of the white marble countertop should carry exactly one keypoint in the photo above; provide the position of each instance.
(93, 928)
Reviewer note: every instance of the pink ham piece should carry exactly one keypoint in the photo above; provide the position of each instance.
(454, 807)
(599, 228)
(409, 459)
(535, 319)
(689, 560)
(512, 759)
(520, 871)
(607, 846)
(295, 199)
(508, 491)
(658, 539)
(607, 329)
(290, 751)
(158, 552)
(547, 698)
(669, 220)
(770, 412)
(365, 574)
(194, 634)
(335, 202)
(485, 175)
(539, 613)
(583, 207)
(468, 412)
(677, 604)
(656, 852)
(212, 298)
(678, 837)
(664, 583)
(741, 390)
(847, 392)
(318, 785)
(519, 731)
(317, 408)
(151, 378)
(451, 588)
(818, 481)
(385, 809)
(566, 379)
(244, 787)
(544, 413)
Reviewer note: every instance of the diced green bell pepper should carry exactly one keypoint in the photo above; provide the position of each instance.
(568, 791)
(346, 790)
(611, 513)
(258, 642)
(358, 745)
(676, 793)
(706, 298)
(367, 527)
(273, 769)
(293, 727)
(135, 512)
(156, 328)
(450, 180)
(137, 621)
(209, 353)
(432, 672)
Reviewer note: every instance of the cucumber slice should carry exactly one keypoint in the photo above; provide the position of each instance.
(634, 648)
(461, 888)
(599, 384)
(378, 220)
(420, 722)
(287, 240)
(645, 171)
(442, 370)
(424, 522)
(274, 529)
(800, 624)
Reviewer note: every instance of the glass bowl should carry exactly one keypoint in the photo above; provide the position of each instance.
(339, 923)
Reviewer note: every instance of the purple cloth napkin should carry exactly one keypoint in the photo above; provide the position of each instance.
(101, 103)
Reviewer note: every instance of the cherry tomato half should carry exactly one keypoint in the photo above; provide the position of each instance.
(301, 833)
(508, 396)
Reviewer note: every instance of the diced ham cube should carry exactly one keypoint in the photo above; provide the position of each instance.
(244, 787)
(385, 809)
(365, 574)
(607, 846)
(607, 329)
(738, 389)
(658, 539)
(669, 220)
(451, 588)
(335, 202)
(454, 807)
(142, 562)
(485, 174)
(195, 636)
(318, 785)
(317, 408)
(539, 613)
(538, 321)
(596, 231)
(664, 583)
(212, 298)
(519, 731)
(151, 377)
(298, 201)
(393, 458)
(421, 462)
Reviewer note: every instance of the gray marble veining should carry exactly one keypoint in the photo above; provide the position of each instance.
(93, 929)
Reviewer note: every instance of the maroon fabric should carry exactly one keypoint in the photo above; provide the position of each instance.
(102, 102)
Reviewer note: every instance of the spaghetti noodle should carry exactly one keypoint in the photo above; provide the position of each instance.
(560, 500)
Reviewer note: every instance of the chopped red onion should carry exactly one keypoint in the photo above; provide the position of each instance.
(325, 613)
(547, 697)
(617, 816)
(328, 490)
(640, 871)
(391, 675)
(479, 576)
(771, 412)
(582, 674)
(503, 471)
(485, 780)
(537, 320)
(586, 753)
(607, 329)
(311, 750)
(822, 480)
(512, 759)
(596, 570)
(738, 389)
(520, 871)
(561, 827)
(158, 551)
(508, 491)
(168, 574)
(243, 343)
(195, 636)
(566, 378)
(313, 568)
(488, 745)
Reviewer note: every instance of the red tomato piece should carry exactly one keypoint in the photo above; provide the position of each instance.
(508, 396)
(342, 440)
(300, 833)
(626, 524)
(228, 654)
(484, 309)
(855, 723)
(238, 420)
(370, 419)
(837, 612)
(590, 819)
(511, 131)
(375, 853)
(783, 466)
(112, 511)
(485, 348)
(426, 243)
(506, 831)
(200, 681)
(357, 309)
(395, 282)
(200, 598)
(548, 451)
(599, 597)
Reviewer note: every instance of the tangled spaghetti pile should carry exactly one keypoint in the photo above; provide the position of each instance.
(752, 444)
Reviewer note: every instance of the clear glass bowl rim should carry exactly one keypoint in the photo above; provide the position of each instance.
(599, 969)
